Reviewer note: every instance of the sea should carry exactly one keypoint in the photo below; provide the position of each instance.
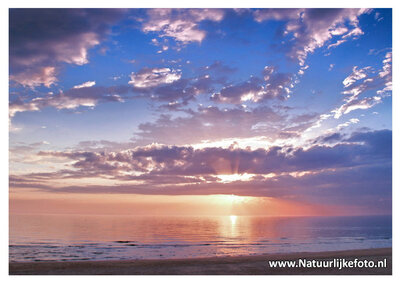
(97, 237)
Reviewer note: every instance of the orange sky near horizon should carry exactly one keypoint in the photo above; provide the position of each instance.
(34, 202)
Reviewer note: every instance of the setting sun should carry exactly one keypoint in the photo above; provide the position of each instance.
(235, 199)
(232, 198)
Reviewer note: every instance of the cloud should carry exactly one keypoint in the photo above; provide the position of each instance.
(33, 77)
(157, 84)
(21, 106)
(23, 157)
(309, 29)
(277, 14)
(274, 86)
(213, 123)
(365, 148)
(356, 170)
(151, 77)
(355, 76)
(252, 89)
(339, 42)
(355, 104)
(387, 66)
(347, 123)
(329, 138)
(357, 83)
(71, 99)
(41, 39)
(180, 24)
(166, 85)
(367, 188)
(87, 84)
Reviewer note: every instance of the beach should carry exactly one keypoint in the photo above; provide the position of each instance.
(233, 265)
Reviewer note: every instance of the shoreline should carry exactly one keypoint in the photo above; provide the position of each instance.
(225, 265)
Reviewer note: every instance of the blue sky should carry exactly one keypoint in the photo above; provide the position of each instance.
(91, 90)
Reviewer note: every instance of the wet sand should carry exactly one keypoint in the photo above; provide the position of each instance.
(238, 265)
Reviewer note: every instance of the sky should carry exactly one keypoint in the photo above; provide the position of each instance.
(200, 111)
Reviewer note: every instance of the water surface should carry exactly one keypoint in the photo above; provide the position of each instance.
(78, 237)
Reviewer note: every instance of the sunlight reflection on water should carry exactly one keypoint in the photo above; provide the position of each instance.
(72, 237)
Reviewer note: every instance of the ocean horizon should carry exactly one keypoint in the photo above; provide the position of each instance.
(114, 237)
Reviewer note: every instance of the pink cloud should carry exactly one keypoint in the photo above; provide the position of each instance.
(151, 77)
(180, 24)
(34, 77)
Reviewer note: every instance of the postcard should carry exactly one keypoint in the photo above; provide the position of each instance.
(200, 141)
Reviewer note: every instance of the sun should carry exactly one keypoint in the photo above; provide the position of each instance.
(230, 199)
(235, 199)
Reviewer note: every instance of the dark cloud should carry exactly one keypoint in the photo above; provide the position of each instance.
(245, 91)
(330, 138)
(379, 142)
(366, 186)
(274, 85)
(40, 39)
(166, 85)
(176, 92)
(355, 172)
(366, 149)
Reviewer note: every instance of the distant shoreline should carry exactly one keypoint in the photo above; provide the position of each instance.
(227, 265)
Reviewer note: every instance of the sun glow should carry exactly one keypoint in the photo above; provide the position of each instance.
(235, 199)
(231, 199)
(235, 177)
(233, 219)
